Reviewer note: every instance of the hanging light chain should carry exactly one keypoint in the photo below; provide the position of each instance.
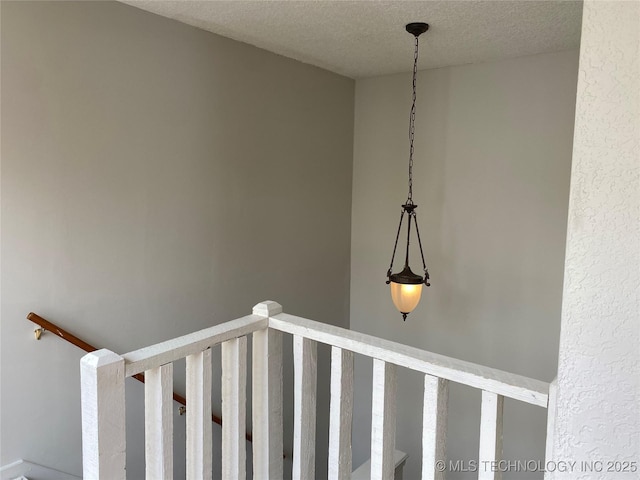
(412, 121)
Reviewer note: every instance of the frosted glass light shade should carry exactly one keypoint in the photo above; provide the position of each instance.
(405, 296)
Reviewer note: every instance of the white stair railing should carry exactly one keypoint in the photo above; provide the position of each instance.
(103, 416)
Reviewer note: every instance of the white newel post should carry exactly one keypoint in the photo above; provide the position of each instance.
(103, 416)
(267, 397)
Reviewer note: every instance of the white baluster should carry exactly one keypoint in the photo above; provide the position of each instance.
(341, 414)
(199, 444)
(305, 358)
(234, 401)
(383, 420)
(158, 422)
(490, 436)
(434, 427)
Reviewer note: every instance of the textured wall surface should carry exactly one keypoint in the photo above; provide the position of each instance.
(491, 178)
(156, 180)
(598, 409)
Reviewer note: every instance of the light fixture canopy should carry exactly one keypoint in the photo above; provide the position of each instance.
(416, 28)
(406, 286)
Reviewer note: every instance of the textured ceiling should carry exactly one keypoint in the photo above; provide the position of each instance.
(366, 38)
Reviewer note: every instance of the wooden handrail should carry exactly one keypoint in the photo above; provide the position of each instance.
(69, 337)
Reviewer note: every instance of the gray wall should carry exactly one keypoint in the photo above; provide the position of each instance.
(156, 179)
(491, 178)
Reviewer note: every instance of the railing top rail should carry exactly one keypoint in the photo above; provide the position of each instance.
(177, 348)
(503, 383)
(497, 381)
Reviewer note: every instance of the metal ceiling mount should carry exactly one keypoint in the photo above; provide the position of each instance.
(417, 28)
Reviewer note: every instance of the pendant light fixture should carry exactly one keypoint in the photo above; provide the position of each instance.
(406, 286)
